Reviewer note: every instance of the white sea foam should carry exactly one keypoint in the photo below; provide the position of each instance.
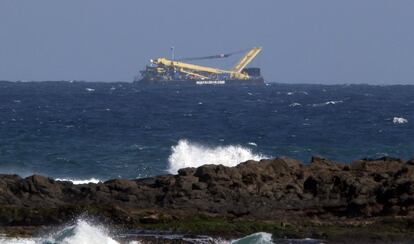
(295, 105)
(6, 240)
(79, 181)
(256, 238)
(297, 92)
(252, 143)
(89, 89)
(82, 232)
(86, 233)
(399, 120)
(334, 102)
(327, 103)
(188, 154)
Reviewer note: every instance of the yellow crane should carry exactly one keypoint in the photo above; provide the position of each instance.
(193, 69)
(246, 59)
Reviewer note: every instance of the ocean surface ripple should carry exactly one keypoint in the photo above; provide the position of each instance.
(96, 131)
(86, 232)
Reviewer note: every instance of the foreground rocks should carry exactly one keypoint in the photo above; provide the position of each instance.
(320, 193)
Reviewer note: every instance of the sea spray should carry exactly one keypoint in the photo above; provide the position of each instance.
(82, 232)
(188, 154)
(46, 131)
(256, 238)
(5, 240)
(79, 181)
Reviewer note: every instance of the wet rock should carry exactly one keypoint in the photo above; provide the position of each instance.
(120, 184)
(186, 171)
(266, 189)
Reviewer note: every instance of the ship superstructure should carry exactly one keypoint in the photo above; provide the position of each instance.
(170, 71)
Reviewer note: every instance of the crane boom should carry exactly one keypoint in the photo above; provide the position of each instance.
(182, 71)
(178, 64)
(199, 68)
(192, 73)
(246, 59)
(217, 56)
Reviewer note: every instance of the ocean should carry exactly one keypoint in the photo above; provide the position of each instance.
(84, 232)
(95, 131)
(83, 130)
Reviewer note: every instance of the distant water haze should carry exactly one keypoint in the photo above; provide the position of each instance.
(304, 41)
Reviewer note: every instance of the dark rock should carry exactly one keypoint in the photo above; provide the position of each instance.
(120, 184)
(268, 189)
(186, 171)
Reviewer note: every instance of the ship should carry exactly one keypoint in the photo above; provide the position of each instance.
(164, 71)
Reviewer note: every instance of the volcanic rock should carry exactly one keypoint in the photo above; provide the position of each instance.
(267, 189)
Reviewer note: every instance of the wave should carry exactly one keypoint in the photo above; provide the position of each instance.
(20, 240)
(82, 232)
(187, 154)
(327, 103)
(399, 120)
(80, 182)
(256, 238)
(297, 92)
(295, 104)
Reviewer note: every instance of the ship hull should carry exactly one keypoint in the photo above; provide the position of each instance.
(229, 82)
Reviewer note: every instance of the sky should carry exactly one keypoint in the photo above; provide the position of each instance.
(318, 41)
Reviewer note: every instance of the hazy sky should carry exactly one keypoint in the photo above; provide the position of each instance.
(332, 41)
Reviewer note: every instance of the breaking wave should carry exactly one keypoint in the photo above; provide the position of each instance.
(256, 238)
(188, 154)
(295, 104)
(80, 182)
(297, 92)
(82, 232)
(399, 120)
(327, 103)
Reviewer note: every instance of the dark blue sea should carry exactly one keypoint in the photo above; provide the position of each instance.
(91, 130)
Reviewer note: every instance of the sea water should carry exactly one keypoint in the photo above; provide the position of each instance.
(92, 132)
(86, 232)
(84, 131)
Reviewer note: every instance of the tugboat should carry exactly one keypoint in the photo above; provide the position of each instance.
(178, 72)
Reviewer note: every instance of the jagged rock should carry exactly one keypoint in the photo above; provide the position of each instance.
(268, 189)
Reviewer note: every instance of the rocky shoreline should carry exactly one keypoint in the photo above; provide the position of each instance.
(370, 199)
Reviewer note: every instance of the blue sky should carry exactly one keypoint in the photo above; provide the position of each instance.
(353, 41)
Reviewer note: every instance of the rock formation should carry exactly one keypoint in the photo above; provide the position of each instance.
(281, 188)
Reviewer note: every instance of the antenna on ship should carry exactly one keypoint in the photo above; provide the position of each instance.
(172, 53)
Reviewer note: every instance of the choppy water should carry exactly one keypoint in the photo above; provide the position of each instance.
(98, 131)
(86, 232)
(90, 132)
